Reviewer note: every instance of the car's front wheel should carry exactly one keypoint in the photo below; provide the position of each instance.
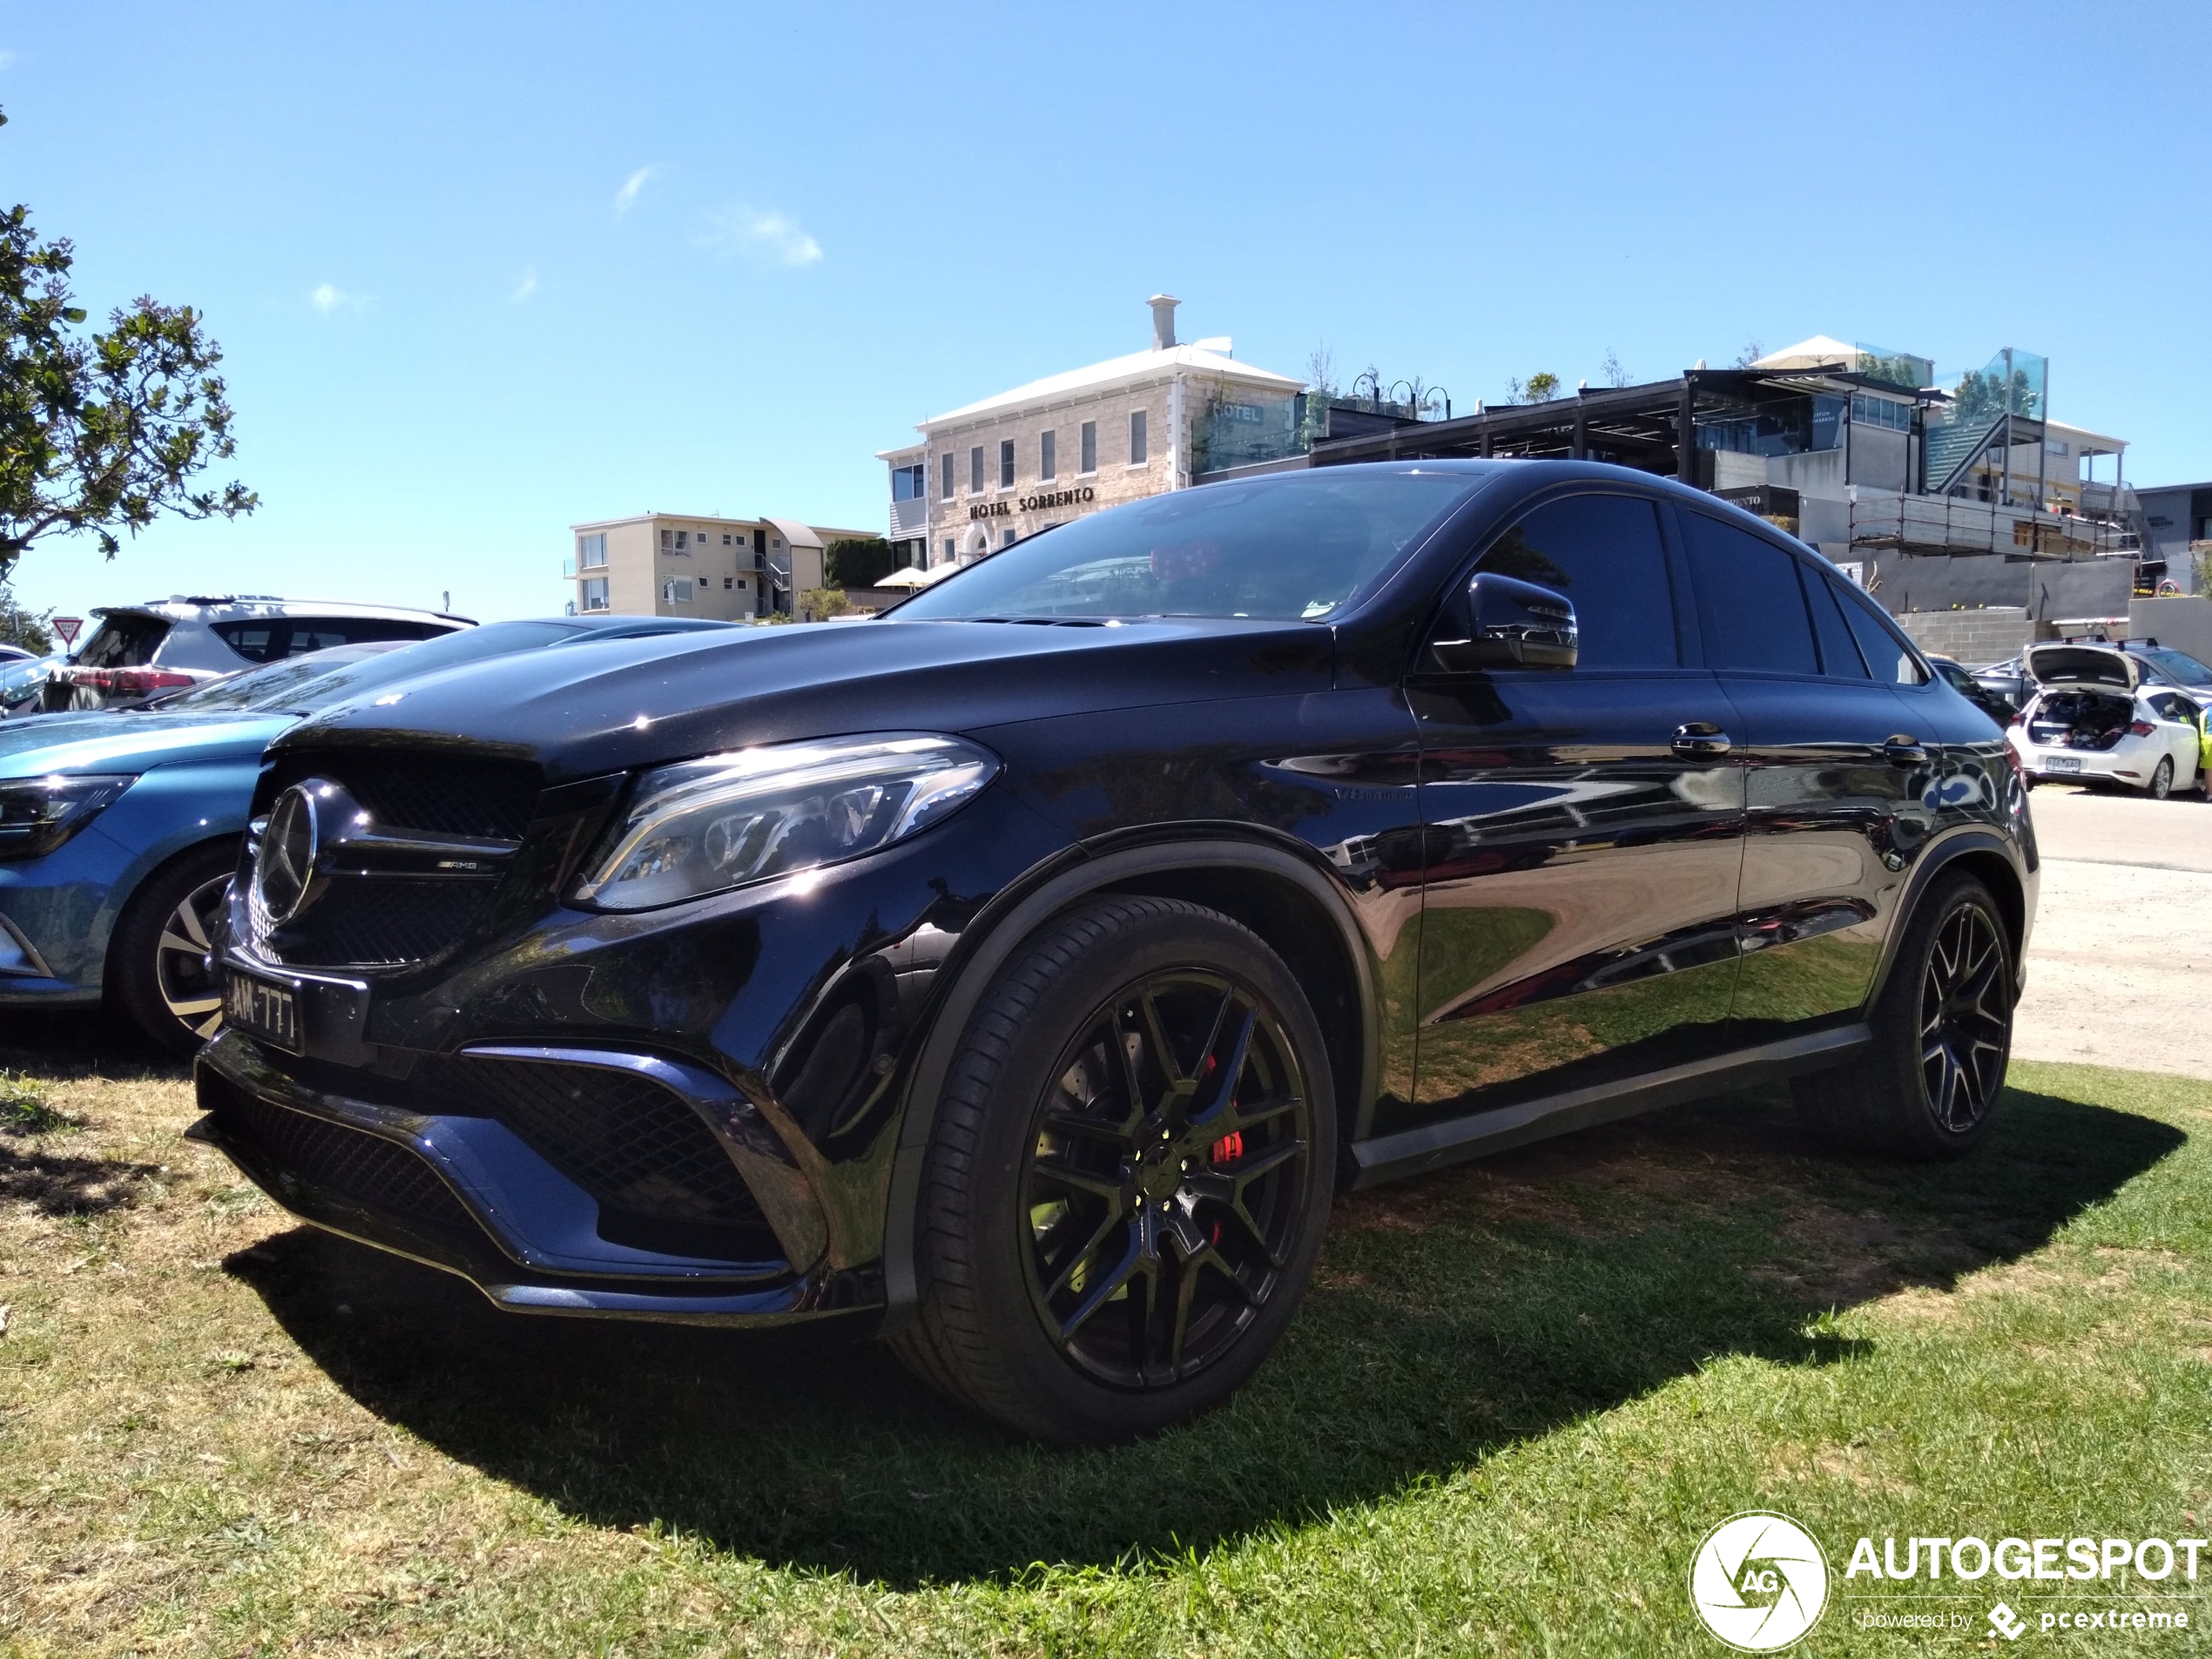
(1943, 1035)
(158, 970)
(1128, 1176)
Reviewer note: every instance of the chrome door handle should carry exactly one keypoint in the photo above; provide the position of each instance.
(1699, 740)
(1905, 750)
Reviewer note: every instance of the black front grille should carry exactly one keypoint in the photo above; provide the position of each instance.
(440, 794)
(661, 1179)
(335, 1158)
(382, 922)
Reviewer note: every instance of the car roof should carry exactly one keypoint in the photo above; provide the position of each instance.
(181, 607)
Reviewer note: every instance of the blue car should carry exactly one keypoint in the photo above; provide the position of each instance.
(118, 831)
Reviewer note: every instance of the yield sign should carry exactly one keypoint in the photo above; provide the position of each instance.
(67, 627)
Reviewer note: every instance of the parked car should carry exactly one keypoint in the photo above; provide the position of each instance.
(118, 829)
(22, 684)
(2008, 681)
(2098, 719)
(1963, 682)
(1019, 975)
(12, 654)
(138, 652)
(2159, 665)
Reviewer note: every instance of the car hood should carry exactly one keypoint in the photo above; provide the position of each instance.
(130, 741)
(598, 707)
(2108, 669)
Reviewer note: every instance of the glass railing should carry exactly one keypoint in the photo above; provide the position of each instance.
(1235, 428)
(2013, 384)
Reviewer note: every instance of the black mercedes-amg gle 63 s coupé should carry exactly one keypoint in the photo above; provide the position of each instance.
(1015, 977)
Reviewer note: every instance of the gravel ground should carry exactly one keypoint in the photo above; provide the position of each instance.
(2120, 965)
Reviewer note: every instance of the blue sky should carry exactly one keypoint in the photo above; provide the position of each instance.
(482, 270)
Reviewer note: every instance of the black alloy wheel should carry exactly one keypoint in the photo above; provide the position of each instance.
(1128, 1175)
(1929, 1082)
(1965, 1019)
(1163, 1183)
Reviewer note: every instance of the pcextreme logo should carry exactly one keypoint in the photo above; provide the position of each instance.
(1760, 1582)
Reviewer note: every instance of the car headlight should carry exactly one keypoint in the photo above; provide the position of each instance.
(37, 814)
(707, 826)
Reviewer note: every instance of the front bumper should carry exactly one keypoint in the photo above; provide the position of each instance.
(461, 1190)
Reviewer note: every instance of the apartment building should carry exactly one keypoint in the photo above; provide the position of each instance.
(690, 564)
(988, 473)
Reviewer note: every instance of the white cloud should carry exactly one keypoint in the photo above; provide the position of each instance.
(626, 197)
(758, 233)
(526, 287)
(328, 298)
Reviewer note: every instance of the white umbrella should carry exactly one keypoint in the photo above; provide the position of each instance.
(910, 577)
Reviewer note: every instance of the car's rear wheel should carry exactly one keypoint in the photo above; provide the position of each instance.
(157, 969)
(2161, 779)
(1943, 1036)
(1128, 1176)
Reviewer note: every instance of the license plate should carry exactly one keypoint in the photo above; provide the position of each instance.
(2062, 762)
(266, 1010)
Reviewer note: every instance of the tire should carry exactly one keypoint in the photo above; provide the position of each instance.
(1080, 1280)
(153, 975)
(1951, 980)
(2161, 779)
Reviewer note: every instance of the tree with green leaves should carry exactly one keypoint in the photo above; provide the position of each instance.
(102, 432)
(856, 562)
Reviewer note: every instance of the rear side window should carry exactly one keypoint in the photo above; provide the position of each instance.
(272, 638)
(1840, 658)
(1885, 649)
(257, 641)
(1748, 601)
(1604, 554)
(123, 642)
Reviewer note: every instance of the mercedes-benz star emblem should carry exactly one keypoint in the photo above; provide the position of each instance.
(286, 860)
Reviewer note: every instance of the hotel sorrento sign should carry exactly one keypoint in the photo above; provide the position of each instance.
(1083, 496)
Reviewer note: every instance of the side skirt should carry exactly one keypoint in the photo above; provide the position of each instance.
(1414, 1151)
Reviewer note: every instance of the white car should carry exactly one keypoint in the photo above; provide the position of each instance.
(2093, 720)
(138, 651)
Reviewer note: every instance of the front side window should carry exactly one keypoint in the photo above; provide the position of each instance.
(1296, 545)
(1603, 554)
(1090, 446)
(1137, 449)
(1749, 600)
(1048, 456)
(975, 470)
(1006, 463)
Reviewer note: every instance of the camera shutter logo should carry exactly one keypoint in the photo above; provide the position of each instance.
(1760, 1582)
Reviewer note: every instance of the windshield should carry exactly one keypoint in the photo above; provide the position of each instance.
(303, 684)
(1294, 545)
(2179, 665)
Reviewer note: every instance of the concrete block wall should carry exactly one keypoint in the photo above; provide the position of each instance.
(1974, 637)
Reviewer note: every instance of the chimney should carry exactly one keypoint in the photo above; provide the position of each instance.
(1163, 306)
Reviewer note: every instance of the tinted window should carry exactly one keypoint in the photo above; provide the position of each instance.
(1839, 652)
(1752, 610)
(1885, 649)
(320, 633)
(1604, 554)
(1296, 545)
(257, 641)
(123, 642)
(303, 684)
(2180, 665)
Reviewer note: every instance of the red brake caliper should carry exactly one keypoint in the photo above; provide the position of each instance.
(1227, 1149)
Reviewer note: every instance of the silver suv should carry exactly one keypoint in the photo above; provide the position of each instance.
(139, 652)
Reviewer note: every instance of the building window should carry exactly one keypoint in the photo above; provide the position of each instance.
(1006, 463)
(1006, 538)
(725, 541)
(1090, 446)
(668, 538)
(947, 492)
(591, 551)
(975, 470)
(948, 550)
(594, 593)
(906, 483)
(677, 590)
(1880, 411)
(1048, 456)
(1136, 437)
(728, 583)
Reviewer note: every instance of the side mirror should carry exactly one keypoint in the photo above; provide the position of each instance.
(1515, 624)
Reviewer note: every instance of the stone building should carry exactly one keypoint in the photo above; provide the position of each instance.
(989, 473)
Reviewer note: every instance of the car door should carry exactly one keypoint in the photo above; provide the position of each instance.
(1834, 775)
(2177, 730)
(1582, 828)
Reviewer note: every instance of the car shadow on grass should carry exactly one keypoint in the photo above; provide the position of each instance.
(1451, 1316)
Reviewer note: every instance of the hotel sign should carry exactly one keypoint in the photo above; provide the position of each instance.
(1043, 502)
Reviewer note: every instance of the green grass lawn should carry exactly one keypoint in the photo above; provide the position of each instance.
(1517, 1397)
